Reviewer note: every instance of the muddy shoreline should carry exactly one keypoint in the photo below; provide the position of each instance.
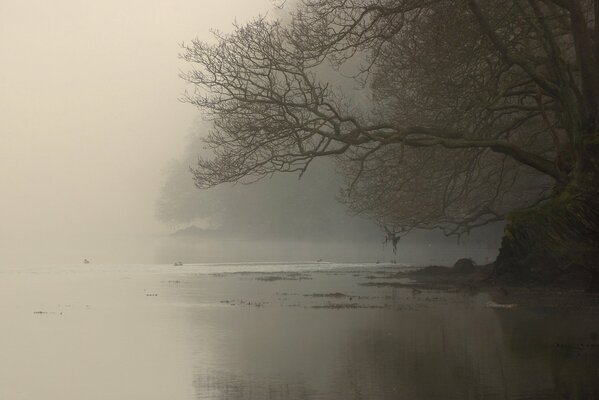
(569, 294)
(423, 282)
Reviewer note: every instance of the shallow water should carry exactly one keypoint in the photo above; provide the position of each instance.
(275, 331)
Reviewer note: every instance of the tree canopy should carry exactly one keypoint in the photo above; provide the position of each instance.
(277, 208)
(478, 107)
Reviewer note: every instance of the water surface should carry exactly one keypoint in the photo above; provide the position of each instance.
(278, 331)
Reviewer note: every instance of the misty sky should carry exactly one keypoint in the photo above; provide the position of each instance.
(90, 116)
(92, 123)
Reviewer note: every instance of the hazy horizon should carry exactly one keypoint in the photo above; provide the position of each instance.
(90, 93)
(96, 140)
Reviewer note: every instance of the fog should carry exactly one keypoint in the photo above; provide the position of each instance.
(89, 92)
(91, 120)
(95, 145)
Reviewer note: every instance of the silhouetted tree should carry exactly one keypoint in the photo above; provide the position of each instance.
(481, 110)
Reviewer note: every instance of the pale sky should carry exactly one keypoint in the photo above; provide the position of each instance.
(90, 117)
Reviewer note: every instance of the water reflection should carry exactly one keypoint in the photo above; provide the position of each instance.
(253, 336)
(446, 346)
(565, 341)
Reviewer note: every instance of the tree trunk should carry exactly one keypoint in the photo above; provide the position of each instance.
(542, 243)
(594, 285)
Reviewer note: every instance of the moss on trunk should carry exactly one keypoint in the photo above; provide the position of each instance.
(542, 243)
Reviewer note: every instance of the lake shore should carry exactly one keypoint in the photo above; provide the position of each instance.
(281, 331)
(570, 292)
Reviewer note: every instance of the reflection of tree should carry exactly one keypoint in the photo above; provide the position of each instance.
(270, 353)
(446, 349)
(565, 340)
(439, 353)
(229, 386)
(467, 353)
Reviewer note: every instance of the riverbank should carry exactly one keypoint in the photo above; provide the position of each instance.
(570, 292)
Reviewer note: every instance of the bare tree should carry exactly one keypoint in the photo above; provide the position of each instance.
(479, 108)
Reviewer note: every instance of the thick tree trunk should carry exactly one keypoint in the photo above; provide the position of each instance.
(594, 284)
(545, 242)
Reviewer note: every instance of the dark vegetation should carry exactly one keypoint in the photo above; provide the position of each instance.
(279, 208)
(479, 111)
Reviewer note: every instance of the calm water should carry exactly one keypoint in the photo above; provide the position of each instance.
(273, 331)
